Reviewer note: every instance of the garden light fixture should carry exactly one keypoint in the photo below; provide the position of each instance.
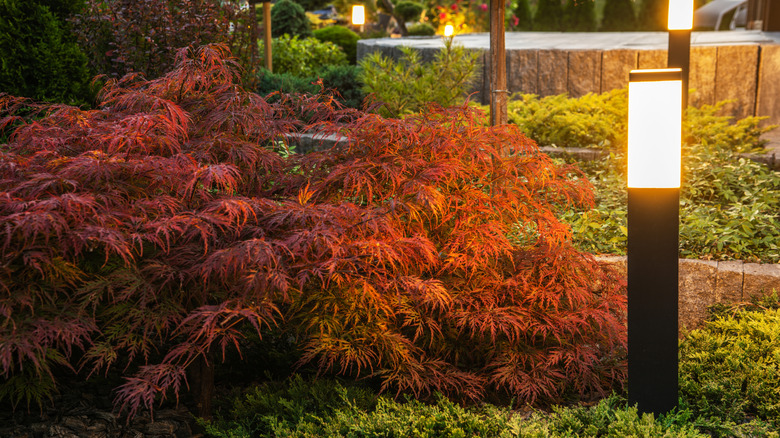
(654, 146)
(449, 30)
(359, 16)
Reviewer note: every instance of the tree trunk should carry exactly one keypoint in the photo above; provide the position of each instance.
(202, 385)
(401, 25)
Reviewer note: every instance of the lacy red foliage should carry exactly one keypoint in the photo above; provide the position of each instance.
(153, 230)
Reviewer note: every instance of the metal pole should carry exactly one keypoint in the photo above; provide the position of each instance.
(267, 40)
(679, 56)
(498, 89)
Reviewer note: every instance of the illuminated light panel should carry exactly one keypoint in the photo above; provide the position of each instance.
(654, 128)
(358, 15)
(448, 30)
(680, 14)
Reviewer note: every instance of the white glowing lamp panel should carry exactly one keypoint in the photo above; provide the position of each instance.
(680, 14)
(654, 128)
(449, 30)
(358, 15)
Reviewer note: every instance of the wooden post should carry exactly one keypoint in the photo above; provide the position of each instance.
(498, 89)
(252, 35)
(267, 39)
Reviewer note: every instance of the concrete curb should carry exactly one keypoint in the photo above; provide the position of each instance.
(704, 283)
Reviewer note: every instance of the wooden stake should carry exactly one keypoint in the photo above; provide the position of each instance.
(498, 89)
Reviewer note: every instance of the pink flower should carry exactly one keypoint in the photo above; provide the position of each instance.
(515, 20)
(442, 16)
(483, 7)
(453, 7)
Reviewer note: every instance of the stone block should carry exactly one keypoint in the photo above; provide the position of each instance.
(553, 72)
(615, 65)
(701, 78)
(584, 74)
(651, 59)
(728, 288)
(760, 279)
(696, 282)
(735, 79)
(522, 71)
(767, 103)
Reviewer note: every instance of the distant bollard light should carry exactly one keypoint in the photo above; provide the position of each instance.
(654, 138)
(358, 15)
(654, 128)
(680, 14)
(449, 30)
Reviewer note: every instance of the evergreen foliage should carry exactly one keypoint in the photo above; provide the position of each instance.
(549, 16)
(653, 15)
(579, 16)
(38, 57)
(342, 37)
(619, 16)
(421, 29)
(288, 17)
(408, 10)
(303, 57)
(523, 15)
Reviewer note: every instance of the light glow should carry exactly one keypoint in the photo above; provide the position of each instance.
(358, 15)
(680, 14)
(448, 30)
(654, 130)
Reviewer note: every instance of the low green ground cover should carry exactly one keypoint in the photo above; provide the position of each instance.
(729, 387)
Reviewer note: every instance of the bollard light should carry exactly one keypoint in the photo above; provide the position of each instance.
(654, 139)
(448, 30)
(680, 15)
(358, 15)
(654, 128)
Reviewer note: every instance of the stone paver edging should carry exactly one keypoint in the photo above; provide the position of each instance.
(704, 283)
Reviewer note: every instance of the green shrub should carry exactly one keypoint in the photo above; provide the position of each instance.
(289, 18)
(408, 85)
(619, 15)
(706, 127)
(408, 10)
(579, 16)
(522, 16)
(328, 409)
(342, 37)
(344, 80)
(730, 369)
(285, 83)
(548, 16)
(38, 57)
(594, 120)
(421, 29)
(312, 5)
(303, 57)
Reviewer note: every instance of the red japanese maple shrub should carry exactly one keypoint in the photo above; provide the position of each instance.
(148, 234)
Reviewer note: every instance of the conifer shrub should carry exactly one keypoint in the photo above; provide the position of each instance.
(522, 17)
(149, 234)
(619, 16)
(549, 16)
(406, 86)
(39, 58)
(289, 18)
(342, 37)
(579, 16)
(408, 10)
(653, 15)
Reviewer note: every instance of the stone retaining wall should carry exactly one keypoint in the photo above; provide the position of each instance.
(704, 283)
(748, 73)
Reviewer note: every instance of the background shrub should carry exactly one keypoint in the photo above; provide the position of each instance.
(342, 37)
(407, 86)
(312, 5)
(408, 10)
(421, 29)
(289, 18)
(303, 57)
(341, 82)
(549, 16)
(522, 16)
(653, 14)
(619, 16)
(143, 36)
(579, 16)
(39, 58)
